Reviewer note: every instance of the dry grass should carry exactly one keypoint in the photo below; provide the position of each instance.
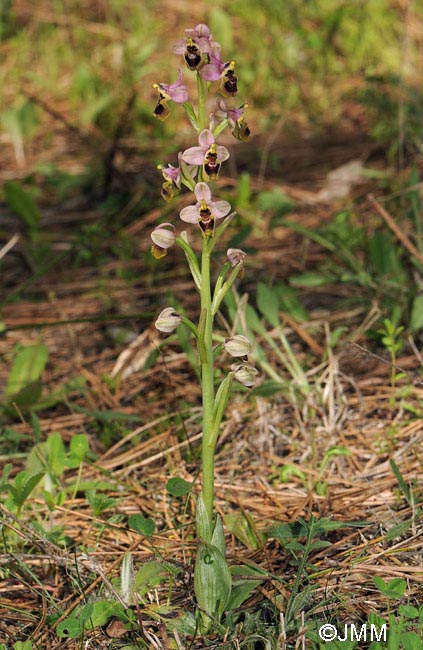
(351, 402)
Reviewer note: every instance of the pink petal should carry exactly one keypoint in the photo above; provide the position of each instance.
(206, 139)
(220, 209)
(203, 44)
(179, 46)
(210, 72)
(193, 156)
(202, 30)
(202, 192)
(189, 214)
(222, 153)
(179, 95)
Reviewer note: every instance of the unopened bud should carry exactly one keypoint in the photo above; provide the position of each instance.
(168, 320)
(164, 235)
(245, 373)
(238, 346)
(235, 256)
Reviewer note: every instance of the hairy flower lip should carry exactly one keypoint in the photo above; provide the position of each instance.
(168, 320)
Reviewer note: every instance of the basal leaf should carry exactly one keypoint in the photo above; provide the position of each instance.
(28, 365)
(178, 487)
(21, 202)
(143, 525)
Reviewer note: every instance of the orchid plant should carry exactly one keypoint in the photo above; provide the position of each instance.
(197, 169)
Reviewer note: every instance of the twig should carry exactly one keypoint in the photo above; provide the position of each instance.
(10, 244)
(396, 229)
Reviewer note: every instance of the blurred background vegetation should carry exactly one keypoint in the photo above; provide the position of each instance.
(327, 82)
(74, 73)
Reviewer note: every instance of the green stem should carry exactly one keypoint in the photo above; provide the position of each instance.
(207, 384)
(202, 98)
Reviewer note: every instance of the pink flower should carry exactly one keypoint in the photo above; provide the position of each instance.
(176, 92)
(208, 154)
(174, 176)
(217, 69)
(196, 46)
(205, 211)
(214, 70)
(235, 117)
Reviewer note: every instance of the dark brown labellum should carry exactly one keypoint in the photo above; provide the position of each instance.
(211, 166)
(231, 84)
(192, 57)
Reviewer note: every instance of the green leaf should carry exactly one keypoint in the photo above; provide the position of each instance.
(212, 581)
(201, 333)
(202, 521)
(290, 303)
(416, 319)
(403, 485)
(218, 537)
(178, 487)
(191, 115)
(152, 574)
(102, 610)
(21, 202)
(220, 403)
(275, 200)
(28, 364)
(77, 450)
(408, 611)
(174, 618)
(311, 279)
(143, 525)
(411, 641)
(395, 588)
(242, 526)
(23, 485)
(22, 645)
(385, 255)
(243, 191)
(240, 592)
(69, 628)
(268, 304)
(56, 453)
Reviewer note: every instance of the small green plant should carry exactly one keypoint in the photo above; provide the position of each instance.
(301, 539)
(19, 489)
(23, 386)
(392, 340)
(18, 645)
